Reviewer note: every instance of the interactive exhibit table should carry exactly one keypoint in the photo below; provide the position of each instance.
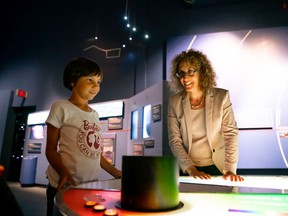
(256, 195)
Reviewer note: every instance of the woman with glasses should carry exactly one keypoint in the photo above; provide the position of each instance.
(203, 133)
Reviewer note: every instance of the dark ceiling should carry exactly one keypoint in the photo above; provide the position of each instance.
(38, 37)
(66, 22)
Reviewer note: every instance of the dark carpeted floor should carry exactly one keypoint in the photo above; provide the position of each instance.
(32, 200)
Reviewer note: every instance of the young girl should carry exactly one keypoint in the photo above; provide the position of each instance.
(74, 147)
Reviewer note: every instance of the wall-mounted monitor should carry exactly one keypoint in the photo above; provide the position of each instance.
(146, 121)
(134, 125)
(109, 109)
(37, 131)
(37, 117)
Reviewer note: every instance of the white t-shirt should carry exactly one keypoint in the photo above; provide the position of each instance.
(80, 144)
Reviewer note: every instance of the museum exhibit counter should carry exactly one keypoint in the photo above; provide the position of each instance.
(256, 195)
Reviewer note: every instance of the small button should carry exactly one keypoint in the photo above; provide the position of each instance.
(90, 204)
(99, 207)
(110, 212)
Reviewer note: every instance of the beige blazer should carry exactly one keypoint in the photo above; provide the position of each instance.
(221, 128)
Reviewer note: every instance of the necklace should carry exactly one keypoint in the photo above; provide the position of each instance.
(198, 105)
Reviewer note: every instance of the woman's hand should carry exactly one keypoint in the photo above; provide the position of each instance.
(232, 177)
(192, 171)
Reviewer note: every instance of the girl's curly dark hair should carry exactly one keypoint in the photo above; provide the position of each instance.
(203, 65)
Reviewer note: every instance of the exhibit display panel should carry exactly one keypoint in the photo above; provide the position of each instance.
(35, 143)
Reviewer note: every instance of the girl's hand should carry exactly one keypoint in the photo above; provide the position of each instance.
(65, 178)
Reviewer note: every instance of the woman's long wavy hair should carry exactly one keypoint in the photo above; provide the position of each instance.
(196, 58)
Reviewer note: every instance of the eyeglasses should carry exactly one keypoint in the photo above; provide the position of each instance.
(181, 74)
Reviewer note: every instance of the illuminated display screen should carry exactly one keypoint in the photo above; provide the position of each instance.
(109, 109)
(37, 131)
(146, 121)
(134, 124)
(37, 117)
(256, 195)
(197, 203)
(241, 204)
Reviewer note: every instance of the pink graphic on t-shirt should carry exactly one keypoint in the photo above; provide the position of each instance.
(89, 140)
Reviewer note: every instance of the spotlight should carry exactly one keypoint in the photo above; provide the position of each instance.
(146, 36)
(128, 25)
(125, 17)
